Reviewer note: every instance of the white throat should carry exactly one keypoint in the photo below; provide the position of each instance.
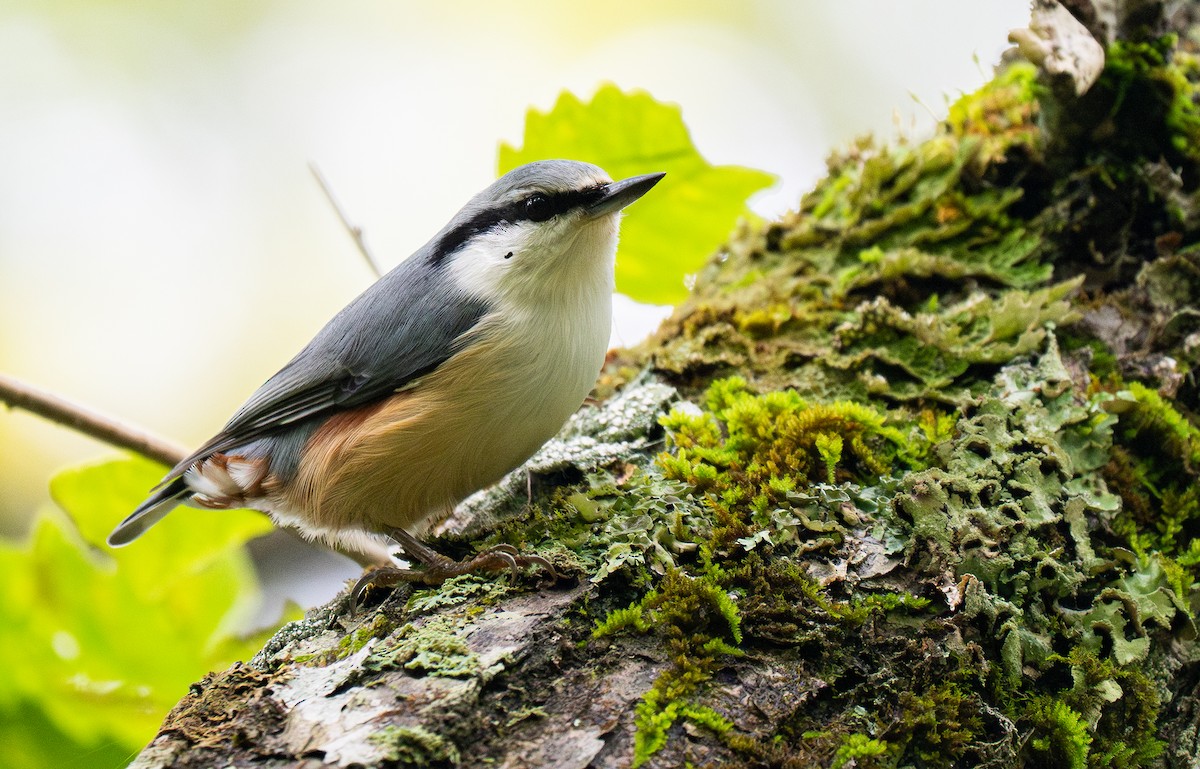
(551, 311)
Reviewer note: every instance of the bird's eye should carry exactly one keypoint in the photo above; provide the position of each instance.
(537, 208)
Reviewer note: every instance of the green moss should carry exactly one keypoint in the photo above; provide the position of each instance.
(1150, 93)
(1120, 707)
(860, 750)
(1004, 108)
(749, 454)
(618, 620)
(1154, 420)
(1061, 737)
(707, 718)
(662, 707)
(937, 727)
(379, 626)
(1158, 473)
(698, 625)
(784, 606)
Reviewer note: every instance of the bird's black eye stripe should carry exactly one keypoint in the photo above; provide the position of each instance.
(455, 238)
(534, 207)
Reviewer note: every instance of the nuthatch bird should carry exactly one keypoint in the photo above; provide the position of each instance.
(447, 373)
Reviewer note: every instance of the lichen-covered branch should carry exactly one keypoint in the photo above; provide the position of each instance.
(912, 479)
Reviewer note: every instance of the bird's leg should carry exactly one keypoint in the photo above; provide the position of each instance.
(439, 568)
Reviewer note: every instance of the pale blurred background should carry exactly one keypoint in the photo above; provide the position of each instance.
(164, 249)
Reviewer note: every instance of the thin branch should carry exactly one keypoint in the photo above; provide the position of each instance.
(59, 410)
(355, 231)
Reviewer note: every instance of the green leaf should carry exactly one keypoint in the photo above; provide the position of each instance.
(672, 230)
(99, 496)
(109, 639)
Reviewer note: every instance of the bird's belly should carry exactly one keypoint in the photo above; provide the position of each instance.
(397, 463)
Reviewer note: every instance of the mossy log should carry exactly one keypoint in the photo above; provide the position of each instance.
(910, 480)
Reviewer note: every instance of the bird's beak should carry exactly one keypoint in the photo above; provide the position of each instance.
(620, 194)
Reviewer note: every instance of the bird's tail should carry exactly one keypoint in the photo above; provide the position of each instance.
(150, 512)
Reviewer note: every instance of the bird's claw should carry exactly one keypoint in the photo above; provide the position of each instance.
(505, 556)
(438, 568)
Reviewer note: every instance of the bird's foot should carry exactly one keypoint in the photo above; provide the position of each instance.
(438, 568)
(382, 576)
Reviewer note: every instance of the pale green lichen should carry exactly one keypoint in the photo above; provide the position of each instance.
(1039, 509)
(914, 282)
(1007, 509)
(647, 520)
(434, 647)
(925, 353)
(414, 746)
(890, 266)
(1002, 523)
(455, 591)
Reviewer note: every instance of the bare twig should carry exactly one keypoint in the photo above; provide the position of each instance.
(59, 410)
(355, 231)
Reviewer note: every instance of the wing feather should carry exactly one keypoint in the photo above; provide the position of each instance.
(401, 328)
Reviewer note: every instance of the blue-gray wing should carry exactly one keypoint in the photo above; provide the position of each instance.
(401, 328)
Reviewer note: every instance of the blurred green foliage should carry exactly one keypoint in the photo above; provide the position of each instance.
(98, 644)
(691, 211)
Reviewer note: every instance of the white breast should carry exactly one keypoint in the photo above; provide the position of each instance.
(550, 290)
(553, 358)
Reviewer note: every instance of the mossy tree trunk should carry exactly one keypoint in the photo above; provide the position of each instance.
(927, 497)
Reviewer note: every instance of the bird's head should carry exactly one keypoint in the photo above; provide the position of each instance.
(544, 230)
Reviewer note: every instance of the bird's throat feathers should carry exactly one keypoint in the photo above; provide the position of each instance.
(563, 263)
